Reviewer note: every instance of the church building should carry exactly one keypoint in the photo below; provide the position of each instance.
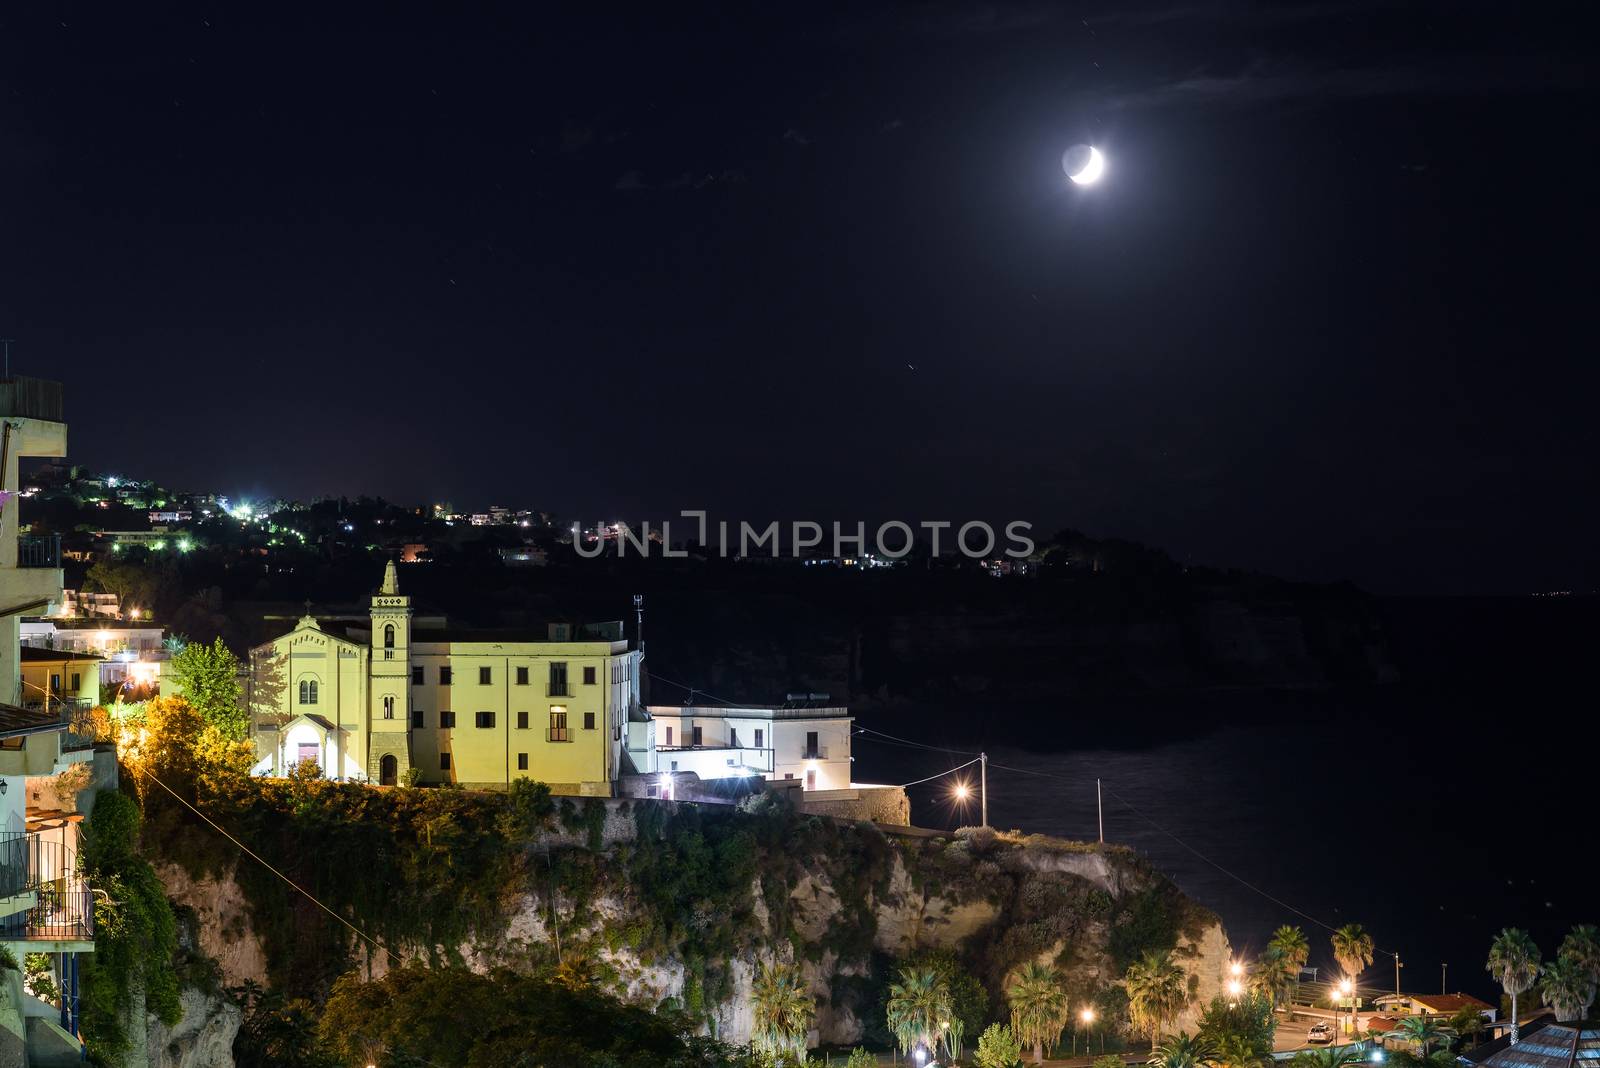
(369, 701)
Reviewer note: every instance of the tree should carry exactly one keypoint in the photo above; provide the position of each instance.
(998, 1048)
(1290, 941)
(1567, 989)
(1183, 1051)
(1352, 948)
(1468, 1022)
(208, 677)
(1157, 992)
(1275, 976)
(1327, 1057)
(969, 1001)
(1422, 1031)
(1237, 1051)
(136, 933)
(1039, 1008)
(1232, 1026)
(1582, 948)
(783, 1009)
(860, 1058)
(1514, 963)
(918, 1003)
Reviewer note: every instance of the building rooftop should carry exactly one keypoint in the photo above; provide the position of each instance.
(1444, 1004)
(788, 710)
(1554, 1045)
(34, 654)
(19, 722)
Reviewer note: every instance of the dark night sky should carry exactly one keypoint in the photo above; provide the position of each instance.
(1327, 316)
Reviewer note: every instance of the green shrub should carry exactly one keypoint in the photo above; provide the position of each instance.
(998, 1048)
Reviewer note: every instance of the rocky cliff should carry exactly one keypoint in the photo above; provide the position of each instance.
(675, 905)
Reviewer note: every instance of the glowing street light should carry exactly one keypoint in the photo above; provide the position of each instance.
(1236, 969)
(962, 791)
(1348, 989)
(1235, 988)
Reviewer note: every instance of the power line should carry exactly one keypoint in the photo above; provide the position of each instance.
(916, 745)
(1130, 806)
(257, 858)
(692, 690)
(941, 774)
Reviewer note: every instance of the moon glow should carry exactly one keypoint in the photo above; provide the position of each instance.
(1084, 164)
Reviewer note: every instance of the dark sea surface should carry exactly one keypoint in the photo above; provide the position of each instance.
(1434, 811)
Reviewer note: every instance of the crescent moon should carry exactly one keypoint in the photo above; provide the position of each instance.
(1092, 168)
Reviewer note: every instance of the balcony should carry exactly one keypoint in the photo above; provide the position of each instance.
(558, 734)
(814, 752)
(558, 689)
(62, 905)
(39, 550)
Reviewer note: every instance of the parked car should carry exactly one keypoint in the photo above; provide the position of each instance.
(1320, 1032)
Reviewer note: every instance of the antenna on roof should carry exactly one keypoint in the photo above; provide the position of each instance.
(638, 611)
(6, 341)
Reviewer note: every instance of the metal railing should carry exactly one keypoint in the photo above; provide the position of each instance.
(558, 689)
(64, 905)
(558, 734)
(39, 550)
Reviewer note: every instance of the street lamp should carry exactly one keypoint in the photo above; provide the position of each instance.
(1348, 989)
(1087, 1016)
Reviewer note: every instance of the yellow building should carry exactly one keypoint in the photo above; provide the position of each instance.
(56, 679)
(479, 708)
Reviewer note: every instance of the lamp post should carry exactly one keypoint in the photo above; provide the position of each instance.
(1348, 989)
(1087, 1016)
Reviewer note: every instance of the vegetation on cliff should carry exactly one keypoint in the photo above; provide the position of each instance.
(622, 889)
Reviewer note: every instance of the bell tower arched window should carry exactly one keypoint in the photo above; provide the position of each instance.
(388, 635)
(388, 707)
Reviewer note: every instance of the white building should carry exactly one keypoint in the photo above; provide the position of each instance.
(134, 654)
(803, 740)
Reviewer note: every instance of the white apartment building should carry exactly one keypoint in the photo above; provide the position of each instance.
(803, 740)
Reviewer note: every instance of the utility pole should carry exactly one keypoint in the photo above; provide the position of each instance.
(983, 786)
(1100, 810)
(1444, 970)
(6, 341)
(1397, 967)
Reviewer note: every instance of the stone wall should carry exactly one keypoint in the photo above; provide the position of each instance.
(878, 804)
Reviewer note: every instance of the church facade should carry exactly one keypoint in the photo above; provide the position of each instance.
(372, 701)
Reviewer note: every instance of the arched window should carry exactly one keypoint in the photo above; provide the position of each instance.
(388, 708)
(308, 691)
(388, 635)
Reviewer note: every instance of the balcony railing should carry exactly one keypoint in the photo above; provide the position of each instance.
(32, 398)
(558, 689)
(814, 752)
(64, 905)
(39, 550)
(558, 734)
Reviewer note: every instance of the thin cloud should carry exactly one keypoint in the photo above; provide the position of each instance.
(1268, 84)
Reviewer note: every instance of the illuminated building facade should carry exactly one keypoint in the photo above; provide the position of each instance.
(478, 708)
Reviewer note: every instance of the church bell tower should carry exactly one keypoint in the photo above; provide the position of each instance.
(389, 693)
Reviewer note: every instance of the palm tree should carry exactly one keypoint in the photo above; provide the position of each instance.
(1157, 992)
(1352, 948)
(783, 1009)
(918, 1003)
(1514, 963)
(1327, 1057)
(1423, 1031)
(1291, 942)
(1039, 1007)
(1567, 989)
(1235, 1050)
(1274, 976)
(1582, 947)
(1183, 1050)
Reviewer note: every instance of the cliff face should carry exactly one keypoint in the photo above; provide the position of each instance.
(844, 902)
